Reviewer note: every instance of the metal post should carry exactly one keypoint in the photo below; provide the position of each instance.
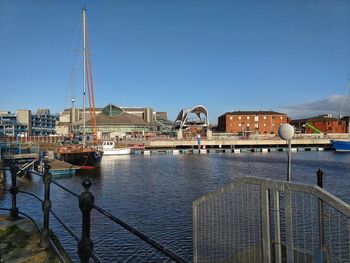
(320, 210)
(265, 224)
(86, 202)
(13, 191)
(289, 160)
(46, 206)
(289, 226)
(276, 212)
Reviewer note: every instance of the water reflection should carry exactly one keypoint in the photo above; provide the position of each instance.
(154, 193)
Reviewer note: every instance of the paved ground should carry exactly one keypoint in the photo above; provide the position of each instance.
(19, 243)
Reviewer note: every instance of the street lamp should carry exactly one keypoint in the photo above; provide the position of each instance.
(286, 132)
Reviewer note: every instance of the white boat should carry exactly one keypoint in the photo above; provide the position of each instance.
(108, 148)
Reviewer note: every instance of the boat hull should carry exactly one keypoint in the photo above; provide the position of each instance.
(341, 146)
(116, 151)
(85, 159)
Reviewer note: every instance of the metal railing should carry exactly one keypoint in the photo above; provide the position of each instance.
(262, 220)
(86, 204)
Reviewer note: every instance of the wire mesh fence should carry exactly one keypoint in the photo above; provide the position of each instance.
(261, 220)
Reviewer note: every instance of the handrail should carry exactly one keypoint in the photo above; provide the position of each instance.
(142, 236)
(52, 181)
(64, 188)
(57, 252)
(86, 203)
(70, 231)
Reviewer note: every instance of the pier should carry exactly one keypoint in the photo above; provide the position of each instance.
(237, 143)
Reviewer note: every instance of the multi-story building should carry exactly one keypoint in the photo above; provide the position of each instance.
(43, 123)
(24, 117)
(9, 125)
(113, 121)
(320, 124)
(263, 122)
(25, 123)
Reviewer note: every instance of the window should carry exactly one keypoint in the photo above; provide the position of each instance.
(256, 118)
(248, 117)
(281, 118)
(248, 124)
(230, 117)
(239, 117)
(264, 124)
(256, 125)
(264, 117)
(239, 125)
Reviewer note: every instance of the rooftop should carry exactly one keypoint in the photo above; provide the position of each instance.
(254, 113)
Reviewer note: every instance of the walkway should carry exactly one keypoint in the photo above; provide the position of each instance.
(19, 241)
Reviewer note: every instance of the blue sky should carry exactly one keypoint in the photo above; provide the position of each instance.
(289, 56)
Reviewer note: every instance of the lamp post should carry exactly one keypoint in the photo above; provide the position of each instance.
(286, 132)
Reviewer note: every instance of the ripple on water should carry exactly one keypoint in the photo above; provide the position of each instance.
(155, 193)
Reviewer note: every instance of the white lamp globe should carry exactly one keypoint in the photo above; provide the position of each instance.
(286, 131)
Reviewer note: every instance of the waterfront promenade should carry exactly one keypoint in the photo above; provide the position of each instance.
(269, 141)
(216, 141)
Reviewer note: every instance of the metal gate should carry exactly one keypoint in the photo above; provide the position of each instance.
(262, 220)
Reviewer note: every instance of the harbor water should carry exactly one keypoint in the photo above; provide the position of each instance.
(154, 194)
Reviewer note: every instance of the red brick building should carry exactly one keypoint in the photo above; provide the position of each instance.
(321, 124)
(263, 122)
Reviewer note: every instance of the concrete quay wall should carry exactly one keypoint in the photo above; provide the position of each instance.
(236, 143)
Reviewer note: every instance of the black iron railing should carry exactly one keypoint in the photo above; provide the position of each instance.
(86, 204)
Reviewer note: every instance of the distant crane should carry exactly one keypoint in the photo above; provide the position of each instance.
(313, 128)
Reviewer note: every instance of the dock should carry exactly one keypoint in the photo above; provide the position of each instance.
(250, 149)
(237, 143)
(230, 145)
(60, 168)
(21, 157)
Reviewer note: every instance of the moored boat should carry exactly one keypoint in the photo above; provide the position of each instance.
(81, 154)
(343, 145)
(84, 157)
(108, 148)
(340, 146)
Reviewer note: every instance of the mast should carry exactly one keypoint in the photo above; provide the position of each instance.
(84, 71)
(73, 106)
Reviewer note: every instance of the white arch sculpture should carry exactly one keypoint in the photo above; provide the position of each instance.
(182, 120)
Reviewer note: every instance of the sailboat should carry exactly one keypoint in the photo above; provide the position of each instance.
(84, 155)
